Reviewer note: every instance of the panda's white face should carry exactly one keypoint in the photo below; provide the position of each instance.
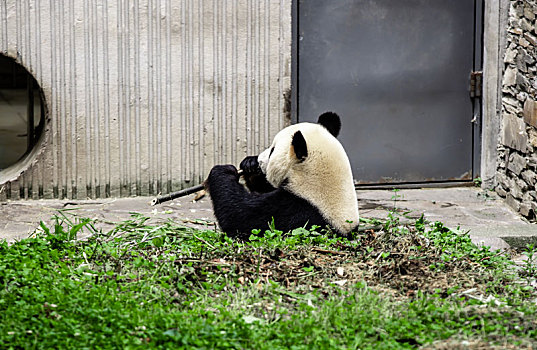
(316, 169)
(277, 160)
(263, 159)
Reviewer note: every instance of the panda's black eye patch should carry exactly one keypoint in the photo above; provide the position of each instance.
(271, 150)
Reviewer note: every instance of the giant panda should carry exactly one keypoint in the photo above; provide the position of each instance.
(303, 179)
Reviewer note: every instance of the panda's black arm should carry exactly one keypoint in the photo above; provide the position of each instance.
(254, 177)
(239, 211)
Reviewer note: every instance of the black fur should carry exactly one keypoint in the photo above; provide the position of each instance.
(254, 177)
(331, 122)
(299, 145)
(239, 212)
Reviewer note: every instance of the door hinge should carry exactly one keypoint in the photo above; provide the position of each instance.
(476, 83)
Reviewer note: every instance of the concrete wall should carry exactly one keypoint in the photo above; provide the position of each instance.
(494, 38)
(517, 152)
(144, 96)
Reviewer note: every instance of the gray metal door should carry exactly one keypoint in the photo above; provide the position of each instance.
(397, 72)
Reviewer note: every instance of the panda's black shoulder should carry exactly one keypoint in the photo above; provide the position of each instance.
(294, 211)
(286, 209)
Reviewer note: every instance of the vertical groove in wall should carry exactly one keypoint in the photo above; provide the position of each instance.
(39, 76)
(62, 103)
(234, 53)
(136, 99)
(215, 126)
(92, 108)
(73, 174)
(145, 96)
(197, 97)
(3, 24)
(222, 52)
(120, 98)
(263, 117)
(201, 84)
(266, 49)
(185, 153)
(153, 49)
(38, 73)
(27, 55)
(124, 103)
(158, 92)
(181, 95)
(150, 96)
(160, 114)
(217, 132)
(96, 115)
(130, 126)
(28, 179)
(129, 170)
(17, 30)
(168, 116)
(281, 116)
(87, 97)
(54, 102)
(106, 98)
(257, 73)
(249, 70)
(190, 93)
(59, 98)
(251, 79)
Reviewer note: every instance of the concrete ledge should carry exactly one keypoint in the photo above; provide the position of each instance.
(488, 219)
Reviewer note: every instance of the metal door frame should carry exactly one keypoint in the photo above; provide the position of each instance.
(477, 102)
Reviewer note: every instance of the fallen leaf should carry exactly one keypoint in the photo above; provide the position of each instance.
(340, 282)
(251, 319)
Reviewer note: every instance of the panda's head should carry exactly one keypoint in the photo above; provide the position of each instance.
(300, 145)
(307, 160)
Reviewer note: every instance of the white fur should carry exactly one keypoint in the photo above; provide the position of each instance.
(324, 178)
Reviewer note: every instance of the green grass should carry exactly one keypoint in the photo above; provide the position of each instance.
(166, 286)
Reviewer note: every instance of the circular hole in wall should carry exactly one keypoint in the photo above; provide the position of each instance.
(22, 112)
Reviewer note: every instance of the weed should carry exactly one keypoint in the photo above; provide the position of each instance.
(529, 267)
(396, 196)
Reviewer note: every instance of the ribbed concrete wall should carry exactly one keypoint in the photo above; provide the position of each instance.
(144, 96)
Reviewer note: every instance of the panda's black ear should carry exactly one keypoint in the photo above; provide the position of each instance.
(299, 146)
(331, 122)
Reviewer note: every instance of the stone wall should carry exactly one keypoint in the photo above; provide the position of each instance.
(517, 151)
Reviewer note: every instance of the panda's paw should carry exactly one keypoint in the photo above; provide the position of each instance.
(228, 170)
(250, 165)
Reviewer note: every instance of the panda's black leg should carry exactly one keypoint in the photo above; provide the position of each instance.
(229, 198)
